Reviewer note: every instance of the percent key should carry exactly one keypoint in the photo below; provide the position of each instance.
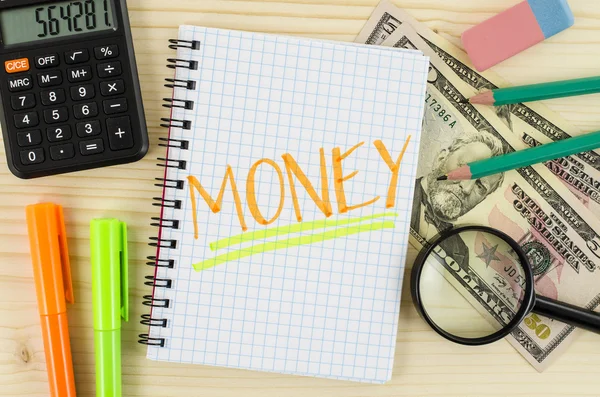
(106, 52)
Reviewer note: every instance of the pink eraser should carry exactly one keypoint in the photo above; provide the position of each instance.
(515, 30)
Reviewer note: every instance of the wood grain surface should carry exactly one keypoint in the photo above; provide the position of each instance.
(425, 364)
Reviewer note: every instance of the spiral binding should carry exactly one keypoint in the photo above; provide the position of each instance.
(176, 123)
(174, 224)
(167, 263)
(163, 203)
(176, 43)
(147, 320)
(170, 183)
(178, 103)
(188, 84)
(165, 183)
(158, 282)
(178, 63)
(171, 163)
(176, 143)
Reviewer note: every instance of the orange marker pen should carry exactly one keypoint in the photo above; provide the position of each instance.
(52, 273)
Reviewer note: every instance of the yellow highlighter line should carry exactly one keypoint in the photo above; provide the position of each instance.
(292, 242)
(297, 228)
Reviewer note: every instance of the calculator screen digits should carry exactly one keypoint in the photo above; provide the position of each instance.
(55, 20)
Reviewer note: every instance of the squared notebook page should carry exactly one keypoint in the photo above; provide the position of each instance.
(299, 281)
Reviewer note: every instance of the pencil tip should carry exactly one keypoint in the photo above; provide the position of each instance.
(443, 178)
(483, 98)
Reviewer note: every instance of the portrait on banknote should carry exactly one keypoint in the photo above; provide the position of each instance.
(438, 205)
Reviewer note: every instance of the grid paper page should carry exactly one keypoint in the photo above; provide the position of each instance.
(297, 266)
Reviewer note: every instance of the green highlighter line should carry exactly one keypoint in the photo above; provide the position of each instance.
(108, 239)
(297, 228)
(293, 242)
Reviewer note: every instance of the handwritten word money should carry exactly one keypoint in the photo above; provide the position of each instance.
(293, 170)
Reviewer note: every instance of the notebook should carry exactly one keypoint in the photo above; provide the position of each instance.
(287, 193)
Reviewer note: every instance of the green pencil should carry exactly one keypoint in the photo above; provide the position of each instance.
(525, 158)
(538, 92)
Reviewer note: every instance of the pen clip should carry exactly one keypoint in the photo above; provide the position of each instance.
(65, 264)
(124, 257)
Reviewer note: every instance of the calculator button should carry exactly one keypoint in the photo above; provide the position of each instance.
(50, 79)
(20, 102)
(53, 97)
(47, 61)
(26, 120)
(94, 146)
(106, 52)
(53, 116)
(120, 135)
(108, 88)
(90, 128)
(113, 106)
(16, 65)
(60, 133)
(29, 138)
(75, 75)
(33, 156)
(82, 92)
(20, 83)
(62, 152)
(85, 110)
(109, 69)
(77, 56)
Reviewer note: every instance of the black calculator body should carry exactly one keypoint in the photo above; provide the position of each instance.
(70, 94)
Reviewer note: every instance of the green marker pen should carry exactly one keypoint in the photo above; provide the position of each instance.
(108, 239)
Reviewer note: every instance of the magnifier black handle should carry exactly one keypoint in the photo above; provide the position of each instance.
(567, 313)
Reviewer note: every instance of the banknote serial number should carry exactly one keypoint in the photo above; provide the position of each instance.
(439, 109)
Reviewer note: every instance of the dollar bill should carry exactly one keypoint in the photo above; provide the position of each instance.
(380, 25)
(560, 235)
(533, 123)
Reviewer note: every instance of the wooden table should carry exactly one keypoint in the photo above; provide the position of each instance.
(425, 364)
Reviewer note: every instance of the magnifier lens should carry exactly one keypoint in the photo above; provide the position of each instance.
(472, 284)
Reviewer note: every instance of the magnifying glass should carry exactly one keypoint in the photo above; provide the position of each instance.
(474, 285)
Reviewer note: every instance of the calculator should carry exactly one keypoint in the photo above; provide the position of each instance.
(69, 89)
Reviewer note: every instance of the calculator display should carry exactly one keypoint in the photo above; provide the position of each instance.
(55, 20)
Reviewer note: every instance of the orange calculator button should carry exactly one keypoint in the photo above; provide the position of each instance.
(17, 65)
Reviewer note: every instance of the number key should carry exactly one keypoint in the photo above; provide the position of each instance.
(53, 97)
(60, 133)
(20, 102)
(82, 92)
(26, 120)
(90, 128)
(53, 116)
(86, 110)
(29, 138)
(33, 156)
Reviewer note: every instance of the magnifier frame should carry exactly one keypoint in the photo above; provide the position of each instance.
(528, 297)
